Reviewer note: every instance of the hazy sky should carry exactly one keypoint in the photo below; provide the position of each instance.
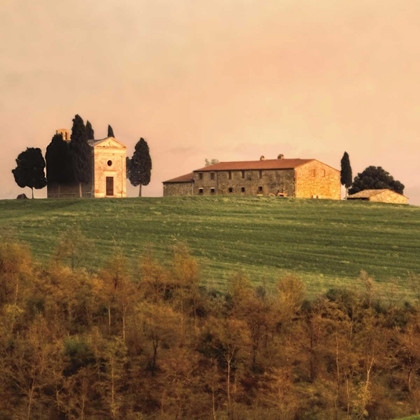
(225, 79)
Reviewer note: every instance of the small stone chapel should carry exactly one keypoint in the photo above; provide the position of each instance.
(108, 171)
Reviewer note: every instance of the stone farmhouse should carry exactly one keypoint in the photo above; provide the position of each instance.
(379, 196)
(302, 178)
(108, 171)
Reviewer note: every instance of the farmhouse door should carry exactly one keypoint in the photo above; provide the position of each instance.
(109, 185)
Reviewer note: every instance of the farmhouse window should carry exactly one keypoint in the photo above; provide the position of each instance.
(243, 174)
(260, 189)
(260, 174)
(200, 175)
(230, 189)
(230, 174)
(200, 191)
(109, 163)
(242, 189)
(322, 172)
(212, 176)
(212, 190)
(313, 172)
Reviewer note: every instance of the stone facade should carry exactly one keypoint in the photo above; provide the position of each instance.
(305, 178)
(183, 185)
(244, 182)
(317, 180)
(379, 196)
(109, 168)
(178, 189)
(108, 172)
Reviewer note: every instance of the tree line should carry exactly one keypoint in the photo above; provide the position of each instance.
(152, 342)
(372, 178)
(69, 162)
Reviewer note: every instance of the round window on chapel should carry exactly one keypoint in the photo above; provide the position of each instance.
(109, 163)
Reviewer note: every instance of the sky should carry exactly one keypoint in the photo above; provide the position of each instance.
(225, 79)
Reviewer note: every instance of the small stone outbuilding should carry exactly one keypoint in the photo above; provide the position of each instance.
(379, 196)
(108, 171)
(302, 178)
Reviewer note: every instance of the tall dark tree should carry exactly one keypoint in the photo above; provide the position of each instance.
(140, 165)
(81, 153)
(90, 134)
(29, 171)
(375, 178)
(346, 176)
(128, 166)
(110, 131)
(58, 161)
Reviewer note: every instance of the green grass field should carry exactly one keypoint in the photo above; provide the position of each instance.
(326, 243)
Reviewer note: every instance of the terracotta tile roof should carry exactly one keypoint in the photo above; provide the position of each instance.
(255, 164)
(180, 179)
(369, 193)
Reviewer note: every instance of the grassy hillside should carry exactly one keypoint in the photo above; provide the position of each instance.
(326, 243)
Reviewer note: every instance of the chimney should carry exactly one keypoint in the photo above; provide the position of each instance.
(262, 158)
(280, 156)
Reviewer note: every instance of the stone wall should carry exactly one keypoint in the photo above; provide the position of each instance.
(177, 189)
(68, 190)
(248, 182)
(317, 180)
(389, 197)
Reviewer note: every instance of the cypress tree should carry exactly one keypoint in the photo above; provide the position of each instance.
(128, 166)
(346, 177)
(110, 131)
(29, 171)
(81, 153)
(90, 134)
(140, 166)
(58, 161)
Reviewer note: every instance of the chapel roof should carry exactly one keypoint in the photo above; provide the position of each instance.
(96, 142)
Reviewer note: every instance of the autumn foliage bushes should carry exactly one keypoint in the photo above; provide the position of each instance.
(153, 343)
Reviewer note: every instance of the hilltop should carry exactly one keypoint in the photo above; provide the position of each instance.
(326, 243)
